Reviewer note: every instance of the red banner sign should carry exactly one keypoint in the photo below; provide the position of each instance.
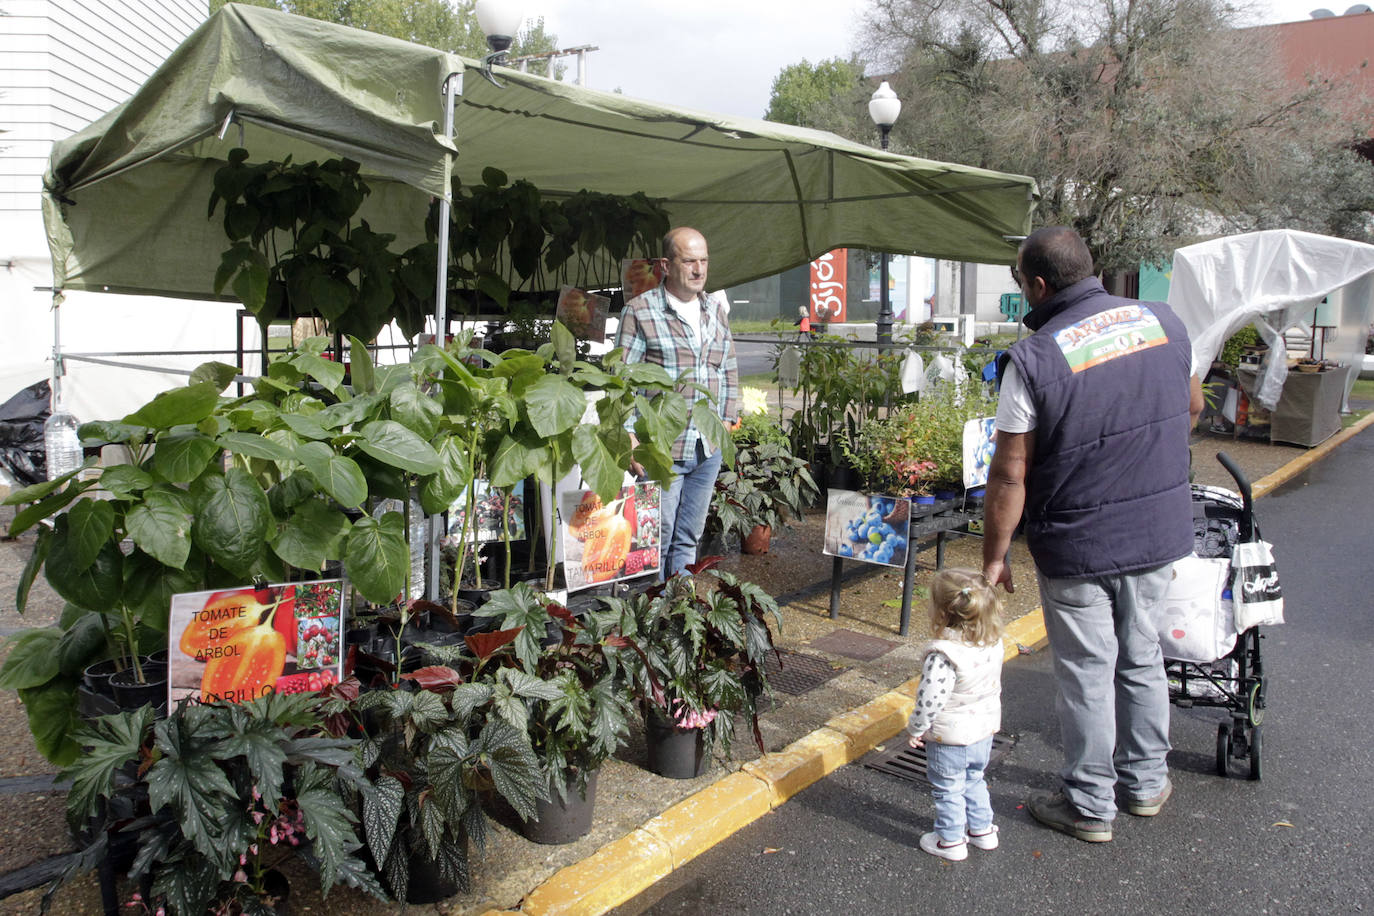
(828, 279)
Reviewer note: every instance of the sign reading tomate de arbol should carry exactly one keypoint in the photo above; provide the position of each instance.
(242, 643)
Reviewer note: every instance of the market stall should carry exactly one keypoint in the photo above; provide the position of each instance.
(1279, 280)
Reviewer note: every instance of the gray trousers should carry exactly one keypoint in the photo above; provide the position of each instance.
(1113, 698)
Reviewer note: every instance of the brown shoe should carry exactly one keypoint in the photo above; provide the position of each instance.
(1054, 810)
(1149, 807)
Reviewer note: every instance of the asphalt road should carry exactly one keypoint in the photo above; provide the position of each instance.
(1294, 842)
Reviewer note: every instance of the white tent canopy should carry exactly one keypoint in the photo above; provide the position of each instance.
(1276, 280)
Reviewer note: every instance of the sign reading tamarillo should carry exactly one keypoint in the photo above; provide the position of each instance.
(242, 643)
(606, 542)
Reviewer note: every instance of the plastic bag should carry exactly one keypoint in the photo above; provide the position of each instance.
(1199, 617)
(22, 455)
(913, 373)
(1255, 586)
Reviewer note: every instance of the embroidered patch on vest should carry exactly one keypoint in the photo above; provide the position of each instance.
(1108, 335)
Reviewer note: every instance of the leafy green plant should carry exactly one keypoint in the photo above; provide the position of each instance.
(702, 640)
(561, 681)
(766, 486)
(224, 792)
(428, 755)
(1236, 344)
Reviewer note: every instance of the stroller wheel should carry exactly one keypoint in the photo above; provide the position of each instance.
(1255, 708)
(1255, 754)
(1223, 750)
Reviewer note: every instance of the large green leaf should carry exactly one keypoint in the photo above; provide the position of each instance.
(361, 372)
(111, 742)
(555, 405)
(513, 461)
(445, 485)
(125, 480)
(416, 410)
(42, 543)
(160, 525)
(329, 826)
(325, 371)
(394, 444)
(600, 468)
(150, 585)
(232, 519)
(32, 660)
(98, 586)
(313, 535)
(339, 475)
(79, 646)
(51, 710)
(182, 457)
(307, 427)
(188, 779)
(253, 445)
(215, 373)
(89, 525)
(347, 413)
(377, 557)
(49, 506)
(712, 429)
(382, 808)
(514, 768)
(176, 407)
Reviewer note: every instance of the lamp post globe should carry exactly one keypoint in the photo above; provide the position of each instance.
(883, 108)
(499, 20)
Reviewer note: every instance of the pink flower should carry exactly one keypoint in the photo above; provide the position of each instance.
(686, 717)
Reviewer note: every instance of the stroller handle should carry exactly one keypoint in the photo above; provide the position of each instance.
(1243, 485)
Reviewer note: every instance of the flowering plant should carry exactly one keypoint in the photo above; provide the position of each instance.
(225, 793)
(700, 643)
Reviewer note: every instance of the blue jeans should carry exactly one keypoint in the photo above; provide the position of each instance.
(959, 789)
(684, 507)
(1113, 697)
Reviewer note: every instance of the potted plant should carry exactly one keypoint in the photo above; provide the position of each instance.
(432, 746)
(701, 642)
(220, 795)
(561, 680)
(766, 485)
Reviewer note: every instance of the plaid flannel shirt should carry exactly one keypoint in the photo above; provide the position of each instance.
(650, 331)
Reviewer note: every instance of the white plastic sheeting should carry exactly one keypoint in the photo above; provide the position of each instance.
(1275, 279)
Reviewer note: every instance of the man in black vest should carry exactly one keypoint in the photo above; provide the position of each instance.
(1093, 422)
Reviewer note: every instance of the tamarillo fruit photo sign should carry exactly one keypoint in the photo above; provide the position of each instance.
(243, 643)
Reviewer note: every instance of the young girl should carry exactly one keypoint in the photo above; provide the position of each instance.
(959, 709)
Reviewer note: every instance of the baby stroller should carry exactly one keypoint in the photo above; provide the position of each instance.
(1209, 663)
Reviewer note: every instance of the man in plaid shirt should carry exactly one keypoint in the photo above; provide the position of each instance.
(682, 328)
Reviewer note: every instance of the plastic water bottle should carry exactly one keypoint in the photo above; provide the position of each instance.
(419, 548)
(62, 444)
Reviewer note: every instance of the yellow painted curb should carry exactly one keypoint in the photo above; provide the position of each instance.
(1290, 470)
(700, 821)
(613, 874)
(801, 763)
(872, 723)
(1028, 631)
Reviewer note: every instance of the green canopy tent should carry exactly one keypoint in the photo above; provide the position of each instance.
(125, 199)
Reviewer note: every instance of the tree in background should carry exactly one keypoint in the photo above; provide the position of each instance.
(810, 95)
(449, 25)
(1147, 123)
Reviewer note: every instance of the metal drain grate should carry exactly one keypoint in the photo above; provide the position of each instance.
(910, 763)
(853, 645)
(797, 672)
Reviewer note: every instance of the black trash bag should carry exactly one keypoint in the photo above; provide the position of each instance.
(22, 453)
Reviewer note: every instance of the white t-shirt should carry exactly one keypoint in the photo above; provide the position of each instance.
(689, 311)
(1015, 409)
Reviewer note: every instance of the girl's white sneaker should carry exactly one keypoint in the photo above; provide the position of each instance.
(984, 840)
(932, 844)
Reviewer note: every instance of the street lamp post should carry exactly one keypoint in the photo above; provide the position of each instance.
(499, 20)
(883, 108)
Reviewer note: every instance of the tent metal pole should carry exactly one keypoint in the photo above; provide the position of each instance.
(453, 85)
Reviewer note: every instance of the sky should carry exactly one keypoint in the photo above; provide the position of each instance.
(722, 55)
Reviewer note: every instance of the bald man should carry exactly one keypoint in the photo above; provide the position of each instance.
(684, 329)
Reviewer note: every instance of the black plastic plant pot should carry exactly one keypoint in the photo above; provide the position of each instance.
(130, 693)
(678, 753)
(560, 821)
(97, 676)
(479, 593)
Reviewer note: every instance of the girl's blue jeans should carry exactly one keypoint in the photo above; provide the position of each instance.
(959, 789)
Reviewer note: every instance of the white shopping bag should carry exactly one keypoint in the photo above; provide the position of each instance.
(913, 373)
(1198, 623)
(1255, 586)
